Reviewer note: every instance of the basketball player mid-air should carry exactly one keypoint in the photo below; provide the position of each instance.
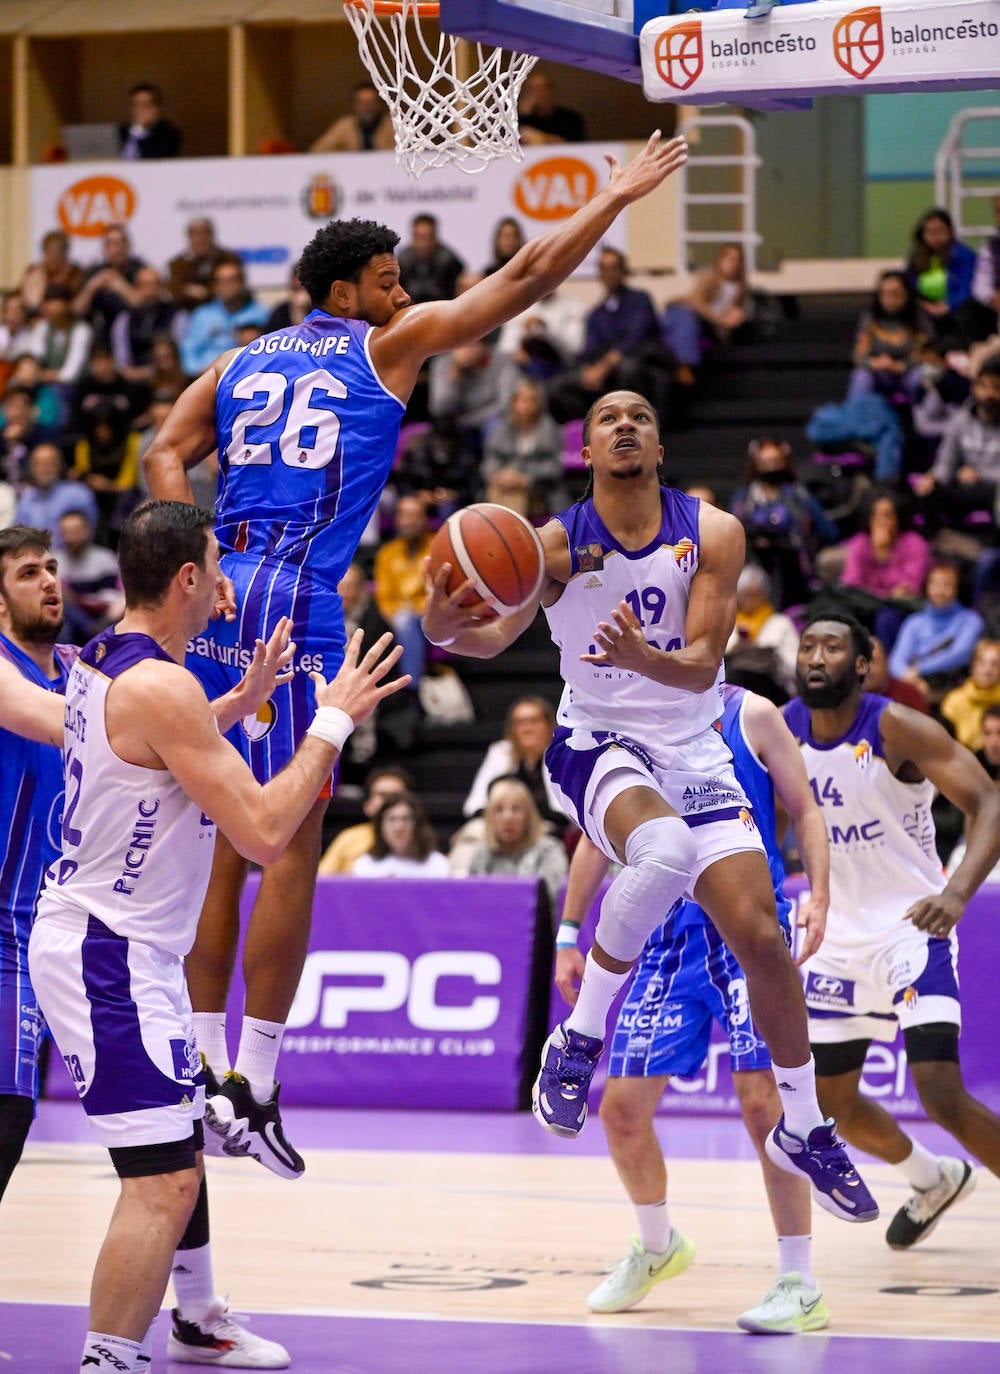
(639, 589)
(889, 957)
(306, 422)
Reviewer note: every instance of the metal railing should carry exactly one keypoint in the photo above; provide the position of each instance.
(744, 201)
(952, 188)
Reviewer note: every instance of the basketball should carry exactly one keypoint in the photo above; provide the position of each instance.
(497, 549)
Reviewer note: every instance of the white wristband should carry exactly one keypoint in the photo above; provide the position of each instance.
(567, 936)
(332, 726)
(438, 643)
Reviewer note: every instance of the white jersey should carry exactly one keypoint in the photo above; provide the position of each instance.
(882, 851)
(656, 583)
(136, 851)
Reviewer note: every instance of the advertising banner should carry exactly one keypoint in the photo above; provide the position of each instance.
(829, 48)
(268, 208)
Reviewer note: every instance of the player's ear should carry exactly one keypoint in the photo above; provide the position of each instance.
(342, 295)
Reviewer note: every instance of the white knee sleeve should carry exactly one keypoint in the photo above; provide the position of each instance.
(660, 855)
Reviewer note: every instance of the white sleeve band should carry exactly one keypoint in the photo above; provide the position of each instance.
(438, 643)
(332, 725)
(567, 936)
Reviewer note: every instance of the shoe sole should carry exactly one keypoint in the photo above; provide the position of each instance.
(812, 1321)
(966, 1186)
(780, 1160)
(678, 1262)
(232, 1139)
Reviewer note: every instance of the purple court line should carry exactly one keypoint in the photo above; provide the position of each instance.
(46, 1339)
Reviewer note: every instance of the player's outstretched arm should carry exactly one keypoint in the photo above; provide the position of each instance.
(145, 705)
(186, 436)
(541, 265)
(29, 710)
(912, 740)
(269, 668)
(587, 868)
(776, 748)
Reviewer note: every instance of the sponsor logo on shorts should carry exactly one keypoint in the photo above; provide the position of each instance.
(824, 990)
(742, 1043)
(910, 998)
(187, 1062)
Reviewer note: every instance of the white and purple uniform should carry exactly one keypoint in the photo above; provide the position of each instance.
(874, 971)
(616, 729)
(118, 911)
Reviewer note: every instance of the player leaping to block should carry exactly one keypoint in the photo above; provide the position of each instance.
(640, 594)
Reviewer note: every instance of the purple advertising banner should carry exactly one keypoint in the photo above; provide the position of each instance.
(885, 1077)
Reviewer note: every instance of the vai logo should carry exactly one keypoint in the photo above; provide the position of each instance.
(858, 45)
(555, 188)
(679, 56)
(87, 207)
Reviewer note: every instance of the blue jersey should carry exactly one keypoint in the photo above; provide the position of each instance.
(307, 434)
(756, 783)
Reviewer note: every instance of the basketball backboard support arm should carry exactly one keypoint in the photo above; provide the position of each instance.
(592, 36)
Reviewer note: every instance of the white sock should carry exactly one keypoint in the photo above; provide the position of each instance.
(210, 1037)
(146, 1349)
(795, 1257)
(193, 1282)
(797, 1090)
(110, 1353)
(598, 989)
(920, 1168)
(260, 1042)
(654, 1226)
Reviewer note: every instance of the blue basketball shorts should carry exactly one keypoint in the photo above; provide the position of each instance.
(22, 1028)
(218, 657)
(120, 1016)
(681, 985)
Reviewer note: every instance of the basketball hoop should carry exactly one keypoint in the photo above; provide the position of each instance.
(444, 109)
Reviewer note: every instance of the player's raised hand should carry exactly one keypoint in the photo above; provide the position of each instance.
(937, 915)
(659, 159)
(621, 645)
(270, 667)
(811, 920)
(570, 964)
(360, 684)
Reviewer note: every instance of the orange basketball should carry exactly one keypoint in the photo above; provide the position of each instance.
(497, 549)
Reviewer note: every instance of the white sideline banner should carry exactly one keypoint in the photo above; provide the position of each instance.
(828, 47)
(268, 208)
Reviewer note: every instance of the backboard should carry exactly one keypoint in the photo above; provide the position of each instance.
(598, 35)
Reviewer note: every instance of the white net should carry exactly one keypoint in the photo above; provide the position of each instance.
(451, 102)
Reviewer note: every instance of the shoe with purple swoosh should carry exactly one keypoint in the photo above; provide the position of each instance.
(822, 1159)
(559, 1097)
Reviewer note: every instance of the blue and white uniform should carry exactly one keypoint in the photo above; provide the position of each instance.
(31, 796)
(306, 435)
(686, 975)
(118, 911)
(874, 971)
(616, 729)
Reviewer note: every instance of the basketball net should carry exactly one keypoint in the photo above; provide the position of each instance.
(445, 108)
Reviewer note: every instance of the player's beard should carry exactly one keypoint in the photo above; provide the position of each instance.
(627, 474)
(34, 629)
(832, 693)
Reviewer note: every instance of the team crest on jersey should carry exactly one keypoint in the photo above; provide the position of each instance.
(100, 651)
(589, 558)
(685, 551)
(862, 754)
(255, 727)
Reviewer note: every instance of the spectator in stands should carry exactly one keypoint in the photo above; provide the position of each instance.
(966, 470)
(474, 382)
(380, 785)
(20, 433)
(764, 641)
(167, 372)
(190, 272)
(292, 310)
(887, 560)
(48, 495)
(516, 842)
(8, 503)
(103, 385)
(522, 465)
(146, 133)
(989, 754)
(405, 845)
(428, 269)
(92, 593)
(887, 350)
(107, 286)
(151, 312)
(941, 392)
(986, 282)
(785, 524)
(54, 268)
(521, 754)
(212, 327)
(965, 705)
(15, 332)
(366, 128)
(361, 613)
(440, 465)
(934, 645)
(940, 270)
(60, 342)
(400, 594)
(895, 688)
(508, 240)
(106, 459)
(541, 120)
(547, 338)
(48, 400)
(718, 304)
(622, 348)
